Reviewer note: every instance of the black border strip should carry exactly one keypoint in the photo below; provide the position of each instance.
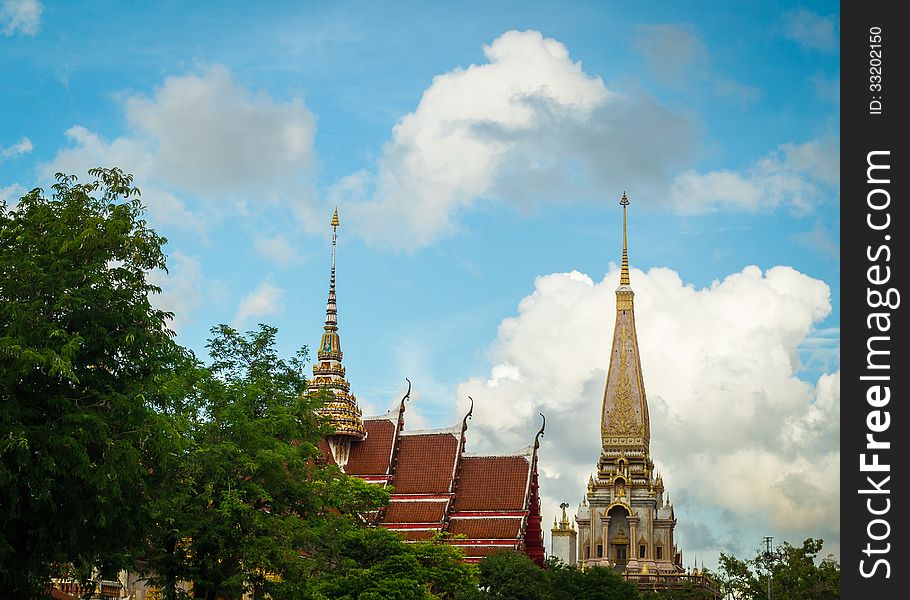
(874, 264)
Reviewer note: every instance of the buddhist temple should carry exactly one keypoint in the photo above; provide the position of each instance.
(624, 521)
(487, 502)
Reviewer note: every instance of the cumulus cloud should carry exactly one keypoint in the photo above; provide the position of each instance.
(203, 136)
(20, 16)
(794, 175)
(530, 125)
(23, 146)
(811, 30)
(212, 136)
(734, 430)
(264, 301)
(525, 126)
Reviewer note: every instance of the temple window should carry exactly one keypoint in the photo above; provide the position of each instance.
(600, 550)
(660, 552)
(641, 551)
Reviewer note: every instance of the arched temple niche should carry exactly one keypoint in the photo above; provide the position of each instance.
(619, 534)
(620, 489)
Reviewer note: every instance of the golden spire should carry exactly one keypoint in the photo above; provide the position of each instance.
(624, 419)
(341, 409)
(624, 273)
(331, 308)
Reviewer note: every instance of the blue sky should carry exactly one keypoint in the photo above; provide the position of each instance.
(477, 154)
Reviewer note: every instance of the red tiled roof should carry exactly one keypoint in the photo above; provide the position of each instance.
(414, 535)
(372, 455)
(487, 529)
(425, 463)
(492, 483)
(326, 452)
(414, 512)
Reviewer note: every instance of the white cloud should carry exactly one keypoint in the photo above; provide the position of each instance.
(22, 16)
(183, 288)
(11, 194)
(818, 158)
(523, 127)
(277, 249)
(530, 125)
(734, 431)
(212, 136)
(811, 30)
(203, 136)
(794, 175)
(264, 301)
(23, 146)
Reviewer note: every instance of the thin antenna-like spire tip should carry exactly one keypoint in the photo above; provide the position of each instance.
(624, 271)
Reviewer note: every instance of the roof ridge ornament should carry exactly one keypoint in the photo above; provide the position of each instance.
(470, 415)
(540, 433)
(399, 425)
(406, 397)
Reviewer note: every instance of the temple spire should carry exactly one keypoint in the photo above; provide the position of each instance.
(624, 273)
(331, 308)
(624, 421)
(340, 409)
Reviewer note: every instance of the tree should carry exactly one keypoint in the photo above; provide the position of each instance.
(795, 574)
(595, 583)
(84, 358)
(240, 512)
(513, 576)
(374, 563)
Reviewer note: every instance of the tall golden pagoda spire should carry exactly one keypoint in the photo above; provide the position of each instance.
(341, 410)
(625, 425)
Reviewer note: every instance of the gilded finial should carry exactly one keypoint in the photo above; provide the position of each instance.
(624, 273)
(335, 221)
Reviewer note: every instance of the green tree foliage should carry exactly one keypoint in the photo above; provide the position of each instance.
(83, 356)
(514, 575)
(240, 514)
(595, 583)
(374, 564)
(689, 592)
(795, 575)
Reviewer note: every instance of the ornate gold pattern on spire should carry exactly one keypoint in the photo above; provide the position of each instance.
(621, 419)
(341, 410)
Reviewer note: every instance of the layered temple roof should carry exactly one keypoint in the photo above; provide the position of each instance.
(489, 503)
(492, 501)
